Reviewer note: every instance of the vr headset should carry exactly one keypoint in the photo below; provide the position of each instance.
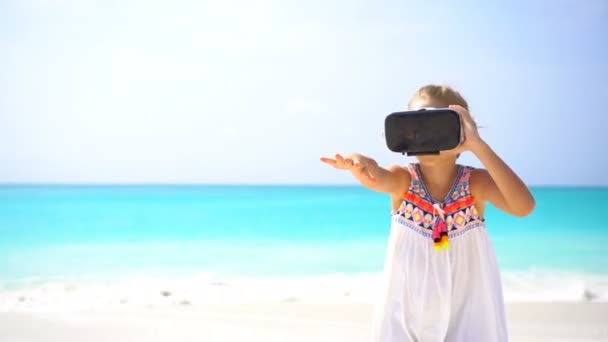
(423, 132)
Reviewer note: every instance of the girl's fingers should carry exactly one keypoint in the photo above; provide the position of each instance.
(458, 108)
(464, 113)
(341, 162)
(344, 163)
(329, 161)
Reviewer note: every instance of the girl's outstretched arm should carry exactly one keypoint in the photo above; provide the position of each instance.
(497, 184)
(391, 180)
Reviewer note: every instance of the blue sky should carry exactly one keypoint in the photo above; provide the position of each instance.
(256, 91)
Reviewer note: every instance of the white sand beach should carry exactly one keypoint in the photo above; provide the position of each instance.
(279, 321)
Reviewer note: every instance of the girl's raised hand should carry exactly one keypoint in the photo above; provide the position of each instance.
(472, 140)
(357, 166)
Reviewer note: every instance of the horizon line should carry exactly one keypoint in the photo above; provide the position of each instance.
(160, 184)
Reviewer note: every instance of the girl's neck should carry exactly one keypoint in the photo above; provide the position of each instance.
(439, 175)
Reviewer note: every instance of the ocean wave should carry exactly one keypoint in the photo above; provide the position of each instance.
(551, 286)
(146, 291)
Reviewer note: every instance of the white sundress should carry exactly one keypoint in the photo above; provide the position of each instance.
(436, 293)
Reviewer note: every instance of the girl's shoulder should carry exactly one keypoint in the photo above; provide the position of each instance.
(403, 171)
(479, 180)
(474, 172)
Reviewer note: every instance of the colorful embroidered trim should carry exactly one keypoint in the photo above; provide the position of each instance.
(456, 213)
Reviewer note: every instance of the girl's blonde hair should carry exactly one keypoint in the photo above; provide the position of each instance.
(442, 94)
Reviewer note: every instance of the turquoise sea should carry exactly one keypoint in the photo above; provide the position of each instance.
(66, 234)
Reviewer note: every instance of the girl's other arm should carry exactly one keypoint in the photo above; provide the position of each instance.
(499, 184)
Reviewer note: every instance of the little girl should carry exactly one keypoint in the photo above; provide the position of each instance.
(442, 281)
